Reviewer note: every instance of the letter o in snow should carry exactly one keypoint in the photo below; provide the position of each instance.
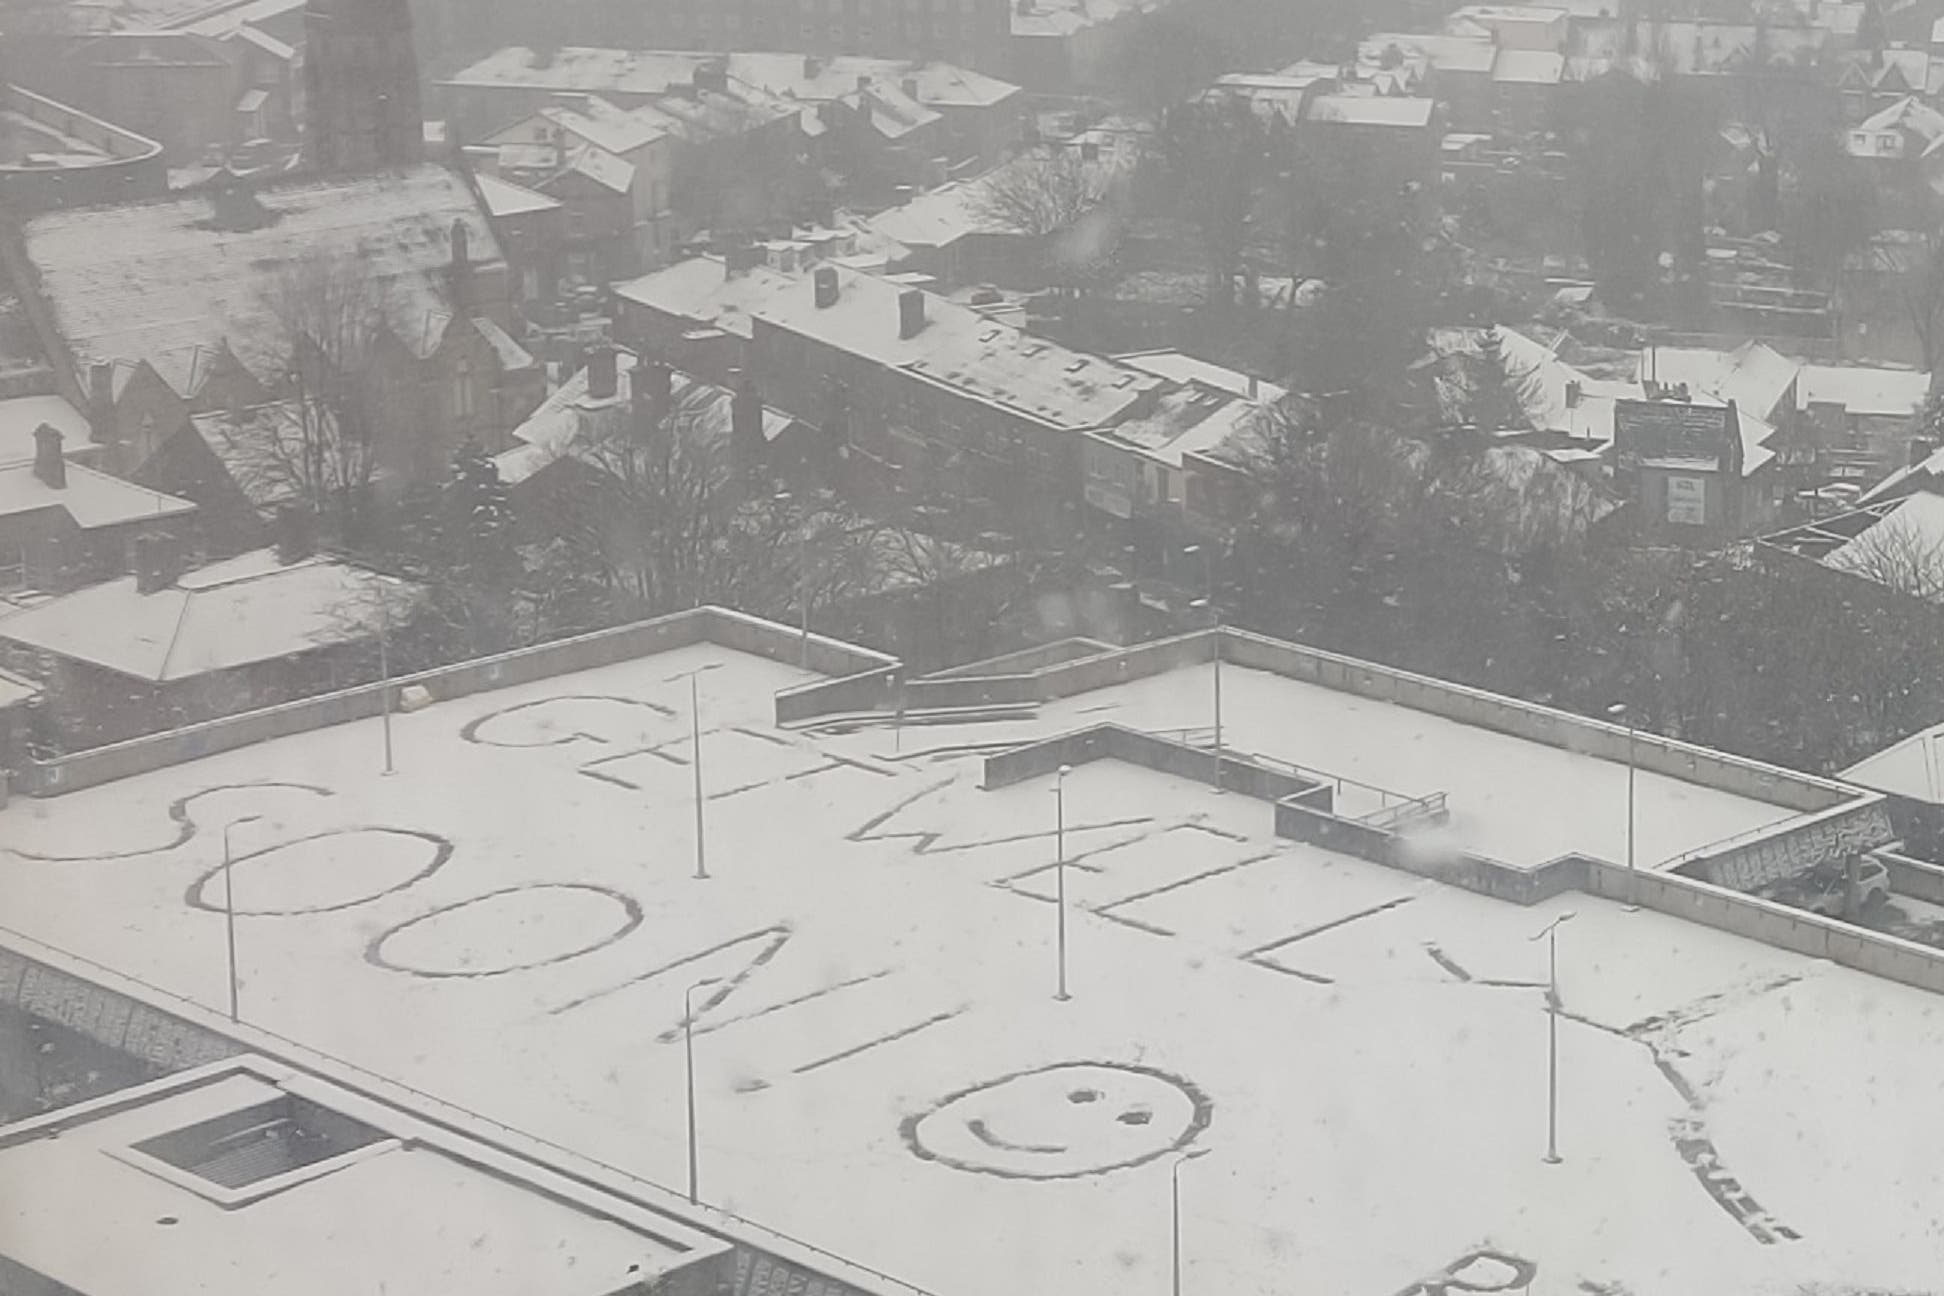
(339, 868)
(509, 930)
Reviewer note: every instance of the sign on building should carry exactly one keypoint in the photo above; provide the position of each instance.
(1687, 500)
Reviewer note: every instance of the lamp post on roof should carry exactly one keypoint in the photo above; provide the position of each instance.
(695, 760)
(229, 908)
(803, 580)
(1174, 1202)
(1620, 712)
(1550, 934)
(688, 1058)
(1207, 603)
(384, 668)
(1059, 874)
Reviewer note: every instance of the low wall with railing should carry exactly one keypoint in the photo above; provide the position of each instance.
(1029, 660)
(1115, 742)
(1918, 879)
(721, 626)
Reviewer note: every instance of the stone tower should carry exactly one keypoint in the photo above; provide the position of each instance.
(361, 86)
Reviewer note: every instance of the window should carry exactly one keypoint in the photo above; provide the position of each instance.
(257, 1149)
(462, 390)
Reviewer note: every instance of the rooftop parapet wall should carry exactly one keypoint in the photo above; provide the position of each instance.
(117, 165)
(721, 626)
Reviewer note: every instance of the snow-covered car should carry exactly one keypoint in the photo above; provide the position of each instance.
(1829, 889)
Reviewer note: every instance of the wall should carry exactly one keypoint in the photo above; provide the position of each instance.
(145, 1034)
(1029, 659)
(1115, 742)
(601, 648)
(131, 168)
(1916, 878)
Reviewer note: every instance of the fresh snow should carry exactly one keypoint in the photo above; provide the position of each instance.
(882, 1066)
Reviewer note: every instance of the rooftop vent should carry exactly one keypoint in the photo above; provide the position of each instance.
(261, 1148)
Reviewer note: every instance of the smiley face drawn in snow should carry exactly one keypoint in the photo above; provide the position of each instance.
(1061, 1122)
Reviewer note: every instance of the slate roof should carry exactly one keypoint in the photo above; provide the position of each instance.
(160, 281)
(245, 610)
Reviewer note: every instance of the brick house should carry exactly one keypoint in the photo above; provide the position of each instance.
(62, 524)
(165, 647)
(208, 299)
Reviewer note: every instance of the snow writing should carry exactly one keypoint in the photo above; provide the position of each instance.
(321, 872)
(1480, 1271)
(1061, 1122)
(477, 938)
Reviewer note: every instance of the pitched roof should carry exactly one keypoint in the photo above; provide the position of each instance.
(1862, 389)
(503, 198)
(159, 281)
(1528, 67)
(569, 421)
(807, 79)
(1753, 375)
(701, 289)
(245, 610)
(1372, 110)
(964, 350)
(93, 499)
(21, 415)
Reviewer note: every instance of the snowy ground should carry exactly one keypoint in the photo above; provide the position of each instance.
(510, 922)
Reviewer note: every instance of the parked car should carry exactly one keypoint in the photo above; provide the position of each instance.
(1830, 889)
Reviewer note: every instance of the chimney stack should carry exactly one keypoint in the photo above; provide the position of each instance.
(651, 390)
(101, 402)
(824, 282)
(863, 84)
(712, 75)
(158, 562)
(50, 465)
(1920, 450)
(1573, 393)
(910, 87)
(461, 270)
(812, 65)
(601, 374)
(911, 313)
(296, 536)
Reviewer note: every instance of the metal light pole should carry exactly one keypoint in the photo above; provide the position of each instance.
(695, 745)
(688, 1054)
(1059, 870)
(384, 666)
(1550, 933)
(1174, 1200)
(229, 908)
(1619, 711)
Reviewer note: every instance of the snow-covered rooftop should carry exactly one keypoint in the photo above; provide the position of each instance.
(1862, 390)
(21, 415)
(1361, 1052)
(962, 349)
(165, 282)
(1753, 375)
(244, 610)
(1528, 67)
(703, 290)
(418, 1208)
(93, 499)
(1372, 110)
(503, 198)
(809, 78)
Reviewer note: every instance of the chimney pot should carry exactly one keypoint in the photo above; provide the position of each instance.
(911, 313)
(824, 282)
(1573, 393)
(50, 465)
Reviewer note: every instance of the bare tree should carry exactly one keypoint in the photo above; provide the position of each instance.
(1898, 554)
(669, 517)
(1923, 297)
(1067, 203)
(329, 312)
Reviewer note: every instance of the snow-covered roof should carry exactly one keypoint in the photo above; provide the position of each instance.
(238, 612)
(1753, 375)
(1188, 418)
(702, 289)
(1903, 546)
(163, 281)
(570, 420)
(1372, 110)
(939, 217)
(1179, 366)
(1528, 67)
(16, 689)
(1862, 389)
(964, 350)
(503, 198)
(227, 16)
(891, 112)
(1445, 53)
(1912, 767)
(93, 499)
(1909, 113)
(417, 1206)
(807, 78)
(21, 415)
